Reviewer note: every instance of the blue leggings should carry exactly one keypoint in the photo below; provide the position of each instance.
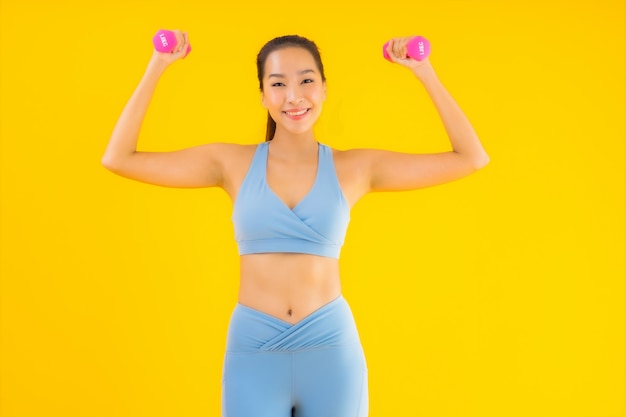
(314, 368)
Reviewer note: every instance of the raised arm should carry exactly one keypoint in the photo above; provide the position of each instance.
(394, 171)
(198, 166)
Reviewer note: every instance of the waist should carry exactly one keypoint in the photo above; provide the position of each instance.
(287, 285)
(331, 325)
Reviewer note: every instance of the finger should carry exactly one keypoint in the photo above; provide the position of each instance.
(398, 51)
(393, 50)
(180, 41)
(400, 48)
(186, 37)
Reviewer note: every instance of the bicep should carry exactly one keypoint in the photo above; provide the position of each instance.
(396, 171)
(194, 167)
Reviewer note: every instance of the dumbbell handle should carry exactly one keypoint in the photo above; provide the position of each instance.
(417, 48)
(165, 41)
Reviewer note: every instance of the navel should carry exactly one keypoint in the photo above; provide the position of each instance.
(289, 312)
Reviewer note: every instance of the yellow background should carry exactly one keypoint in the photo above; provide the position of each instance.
(501, 294)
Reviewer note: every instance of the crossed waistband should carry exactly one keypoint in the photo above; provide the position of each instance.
(251, 330)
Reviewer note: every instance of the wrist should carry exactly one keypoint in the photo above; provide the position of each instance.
(424, 71)
(157, 65)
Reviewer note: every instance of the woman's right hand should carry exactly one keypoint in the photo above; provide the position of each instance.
(167, 58)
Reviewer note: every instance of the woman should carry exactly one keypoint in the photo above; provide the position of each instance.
(293, 348)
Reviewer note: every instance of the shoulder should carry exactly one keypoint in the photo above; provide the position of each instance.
(354, 158)
(355, 163)
(231, 153)
(353, 168)
(235, 159)
(227, 157)
(354, 153)
(232, 148)
(361, 162)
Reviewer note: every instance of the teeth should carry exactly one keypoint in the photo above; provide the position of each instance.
(299, 113)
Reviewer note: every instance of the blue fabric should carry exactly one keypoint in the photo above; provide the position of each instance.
(314, 368)
(317, 224)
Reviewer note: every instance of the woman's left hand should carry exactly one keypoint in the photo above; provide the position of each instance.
(397, 50)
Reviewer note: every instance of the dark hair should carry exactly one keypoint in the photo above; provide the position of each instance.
(280, 43)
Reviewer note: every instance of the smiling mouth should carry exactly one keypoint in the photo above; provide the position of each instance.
(296, 113)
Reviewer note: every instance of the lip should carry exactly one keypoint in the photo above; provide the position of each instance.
(298, 116)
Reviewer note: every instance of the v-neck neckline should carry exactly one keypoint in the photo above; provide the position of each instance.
(317, 175)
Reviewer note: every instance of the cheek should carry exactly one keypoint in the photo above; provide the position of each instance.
(271, 99)
(319, 95)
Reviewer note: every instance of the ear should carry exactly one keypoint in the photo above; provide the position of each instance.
(324, 96)
(263, 99)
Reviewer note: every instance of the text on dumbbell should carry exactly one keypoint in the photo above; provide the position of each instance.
(163, 40)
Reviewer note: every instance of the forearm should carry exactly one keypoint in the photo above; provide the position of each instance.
(461, 134)
(123, 141)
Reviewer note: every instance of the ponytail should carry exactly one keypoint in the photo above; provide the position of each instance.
(271, 128)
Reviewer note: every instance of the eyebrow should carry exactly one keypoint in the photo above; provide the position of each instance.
(306, 71)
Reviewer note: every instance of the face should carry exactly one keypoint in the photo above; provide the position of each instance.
(293, 90)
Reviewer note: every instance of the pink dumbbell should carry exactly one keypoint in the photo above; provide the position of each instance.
(165, 41)
(417, 48)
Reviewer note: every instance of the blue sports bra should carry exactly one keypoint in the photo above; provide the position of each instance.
(264, 223)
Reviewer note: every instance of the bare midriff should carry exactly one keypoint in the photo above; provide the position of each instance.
(288, 286)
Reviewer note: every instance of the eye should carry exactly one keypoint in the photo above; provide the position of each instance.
(278, 84)
(306, 81)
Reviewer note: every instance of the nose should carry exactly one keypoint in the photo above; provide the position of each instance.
(294, 96)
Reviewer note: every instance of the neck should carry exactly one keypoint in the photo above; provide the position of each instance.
(301, 144)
